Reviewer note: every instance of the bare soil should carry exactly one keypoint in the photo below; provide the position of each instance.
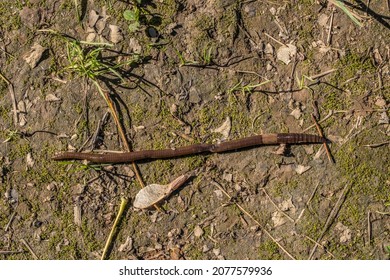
(194, 64)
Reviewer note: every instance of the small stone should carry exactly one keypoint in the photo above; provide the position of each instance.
(227, 177)
(127, 245)
(323, 20)
(380, 102)
(198, 231)
(116, 35)
(217, 251)
(269, 49)
(51, 187)
(152, 32)
(205, 248)
(30, 17)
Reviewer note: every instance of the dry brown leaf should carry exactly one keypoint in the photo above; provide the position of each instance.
(224, 129)
(296, 113)
(285, 53)
(278, 219)
(155, 193)
(34, 56)
(300, 169)
(127, 245)
(52, 98)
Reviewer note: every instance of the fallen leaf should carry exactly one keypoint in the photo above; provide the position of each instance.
(281, 150)
(224, 129)
(287, 205)
(52, 98)
(127, 245)
(29, 160)
(300, 169)
(116, 35)
(380, 102)
(219, 194)
(34, 56)
(155, 193)
(323, 20)
(384, 119)
(296, 113)
(285, 53)
(336, 139)
(278, 219)
(345, 232)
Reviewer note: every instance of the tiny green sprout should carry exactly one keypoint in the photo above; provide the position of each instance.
(11, 136)
(248, 88)
(133, 16)
(183, 60)
(301, 81)
(207, 55)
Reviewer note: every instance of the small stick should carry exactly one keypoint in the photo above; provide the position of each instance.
(277, 41)
(308, 202)
(322, 135)
(377, 144)
(254, 220)
(328, 40)
(318, 244)
(331, 217)
(111, 236)
(10, 221)
(320, 75)
(320, 121)
(383, 213)
(13, 99)
(10, 252)
(369, 229)
(29, 248)
(274, 204)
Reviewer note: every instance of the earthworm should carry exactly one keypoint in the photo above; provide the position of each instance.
(252, 141)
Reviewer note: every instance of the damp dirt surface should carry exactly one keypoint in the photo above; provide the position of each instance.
(184, 72)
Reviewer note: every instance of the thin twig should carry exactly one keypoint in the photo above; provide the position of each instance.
(120, 130)
(369, 227)
(328, 40)
(331, 218)
(11, 252)
(276, 206)
(322, 135)
(117, 219)
(318, 244)
(29, 248)
(320, 75)
(277, 41)
(382, 213)
(376, 145)
(320, 121)
(308, 202)
(10, 220)
(254, 220)
(13, 99)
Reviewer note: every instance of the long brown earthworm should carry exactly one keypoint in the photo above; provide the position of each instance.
(252, 141)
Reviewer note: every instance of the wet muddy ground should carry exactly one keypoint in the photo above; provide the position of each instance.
(185, 72)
